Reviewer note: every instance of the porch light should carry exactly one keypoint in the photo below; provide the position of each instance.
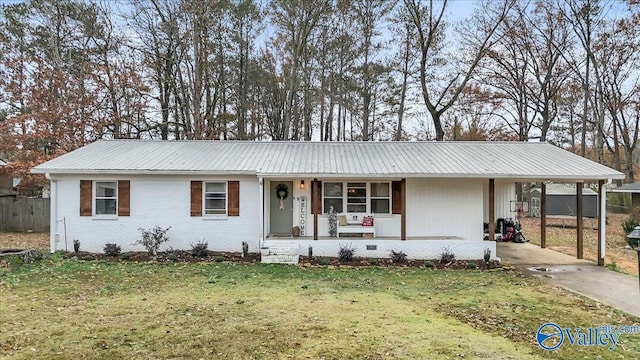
(301, 184)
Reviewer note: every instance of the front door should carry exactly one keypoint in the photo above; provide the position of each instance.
(281, 208)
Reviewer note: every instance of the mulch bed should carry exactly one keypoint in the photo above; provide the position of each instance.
(305, 261)
(173, 256)
(386, 262)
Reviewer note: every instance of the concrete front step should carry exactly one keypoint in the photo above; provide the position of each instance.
(280, 254)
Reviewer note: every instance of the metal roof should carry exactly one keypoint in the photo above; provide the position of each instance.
(630, 188)
(511, 160)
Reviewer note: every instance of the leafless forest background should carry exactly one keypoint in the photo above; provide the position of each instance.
(562, 71)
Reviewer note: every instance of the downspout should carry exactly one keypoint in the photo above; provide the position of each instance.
(54, 236)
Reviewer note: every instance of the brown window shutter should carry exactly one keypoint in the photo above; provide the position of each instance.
(316, 197)
(86, 197)
(396, 193)
(196, 198)
(124, 196)
(233, 198)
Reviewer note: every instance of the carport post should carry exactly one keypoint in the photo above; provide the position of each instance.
(492, 210)
(543, 215)
(579, 234)
(602, 219)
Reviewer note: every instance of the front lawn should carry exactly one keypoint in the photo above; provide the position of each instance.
(71, 309)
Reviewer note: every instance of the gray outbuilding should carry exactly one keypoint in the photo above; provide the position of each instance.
(561, 200)
(634, 190)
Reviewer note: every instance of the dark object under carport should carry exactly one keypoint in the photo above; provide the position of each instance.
(633, 239)
(561, 200)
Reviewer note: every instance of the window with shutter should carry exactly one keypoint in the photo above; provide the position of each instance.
(215, 198)
(105, 198)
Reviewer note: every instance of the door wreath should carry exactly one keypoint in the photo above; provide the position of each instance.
(282, 192)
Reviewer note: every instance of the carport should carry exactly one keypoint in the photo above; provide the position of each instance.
(598, 173)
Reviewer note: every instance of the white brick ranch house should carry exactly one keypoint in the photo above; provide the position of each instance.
(423, 196)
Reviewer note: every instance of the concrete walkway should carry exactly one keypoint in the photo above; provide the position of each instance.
(599, 283)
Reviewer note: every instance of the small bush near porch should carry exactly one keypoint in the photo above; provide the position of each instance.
(66, 308)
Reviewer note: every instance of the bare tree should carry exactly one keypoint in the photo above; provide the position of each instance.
(619, 49)
(295, 22)
(442, 86)
(586, 16)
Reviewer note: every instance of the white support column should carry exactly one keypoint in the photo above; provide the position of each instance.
(603, 221)
(262, 213)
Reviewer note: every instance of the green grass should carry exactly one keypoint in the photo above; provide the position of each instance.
(71, 309)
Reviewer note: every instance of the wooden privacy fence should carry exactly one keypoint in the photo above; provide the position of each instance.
(24, 214)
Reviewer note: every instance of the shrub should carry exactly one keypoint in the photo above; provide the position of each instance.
(152, 239)
(487, 255)
(199, 249)
(373, 261)
(112, 249)
(245, 249)
(446, 256)
(398, 257)
(218, 258)
(346, 252)
(125, 256)
(76, 245)
(630, 223)
(429, 264)
(472, 265)
(325, 261)
(172, 256)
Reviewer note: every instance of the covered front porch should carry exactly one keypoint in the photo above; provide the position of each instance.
(420, 216)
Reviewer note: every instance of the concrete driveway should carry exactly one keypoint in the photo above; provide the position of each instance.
(599, 283)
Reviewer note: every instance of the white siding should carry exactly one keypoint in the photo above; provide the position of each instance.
(156, 200)
(447, 207)
(505, 192)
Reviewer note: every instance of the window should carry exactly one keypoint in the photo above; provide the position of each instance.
(333, 196)
(359, 197)
(380, 198)
(356, 197)
(215, 198)
(106, 197)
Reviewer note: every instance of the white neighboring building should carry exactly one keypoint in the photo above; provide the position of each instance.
(423, 196)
